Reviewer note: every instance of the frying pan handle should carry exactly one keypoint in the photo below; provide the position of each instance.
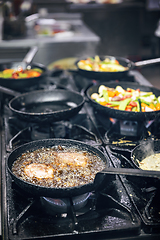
(147, 62)
(129, 172)
(9, 91)
(28, 58)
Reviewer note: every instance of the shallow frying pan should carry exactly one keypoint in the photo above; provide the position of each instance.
(45, 105)
(46, 191)
(100, 178)
(115, 75)
(144, 150)
(124, 115)
(21, 83)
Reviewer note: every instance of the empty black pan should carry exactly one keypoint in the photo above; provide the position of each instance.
(100, 178)
(124, 115)
(45, 105)
(105, 76)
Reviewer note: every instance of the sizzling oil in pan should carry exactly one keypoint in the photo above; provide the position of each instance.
(59, 167)
(46, 107)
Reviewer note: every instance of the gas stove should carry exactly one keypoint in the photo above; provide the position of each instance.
(124, 208)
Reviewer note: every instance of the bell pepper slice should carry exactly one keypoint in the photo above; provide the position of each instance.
(124, 103)
(105, 95)
(158, 106)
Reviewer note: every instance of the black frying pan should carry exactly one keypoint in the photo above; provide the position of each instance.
(21, 83)
(124, 115)
(144, 150)
(45, 105)
(115, 75)
(72, 191)
(52, 192)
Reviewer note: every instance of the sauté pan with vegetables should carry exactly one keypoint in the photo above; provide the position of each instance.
(97, 65)
(126, 100)
(20, 73)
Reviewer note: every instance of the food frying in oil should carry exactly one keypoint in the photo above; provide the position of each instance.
(58, 167)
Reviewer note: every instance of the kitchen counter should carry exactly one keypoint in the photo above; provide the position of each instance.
(78, 41)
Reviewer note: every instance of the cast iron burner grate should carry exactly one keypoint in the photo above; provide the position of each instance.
(124, 135)
(103, 215)
(144, 193)
(78, 128)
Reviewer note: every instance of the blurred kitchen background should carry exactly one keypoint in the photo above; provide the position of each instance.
(126, 28)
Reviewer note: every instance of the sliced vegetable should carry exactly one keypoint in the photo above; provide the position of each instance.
(158, 106)
(127, 100)
(98, 65)
(139, 105)
(20, 73)
(124, 103)
(106, 95)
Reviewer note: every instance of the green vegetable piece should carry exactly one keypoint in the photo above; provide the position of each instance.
(7, 75)
(138, 101)
(146, 93)
(142, 100)
(134, 109)
(139, 104)
(114, 103)
(22, 75)
(124, 103)
(105, 95)
(38, 70)
(105, 62)
(1, 75)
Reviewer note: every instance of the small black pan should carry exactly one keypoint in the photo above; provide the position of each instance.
(124, 115)
(144, 150)
(45, 105)
(21, 83)
(105, 76)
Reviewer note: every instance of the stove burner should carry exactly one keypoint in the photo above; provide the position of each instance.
(129, 128)
(55, 205)
(40, 132)
(126, 134)
(144, 194)
(57, 130)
